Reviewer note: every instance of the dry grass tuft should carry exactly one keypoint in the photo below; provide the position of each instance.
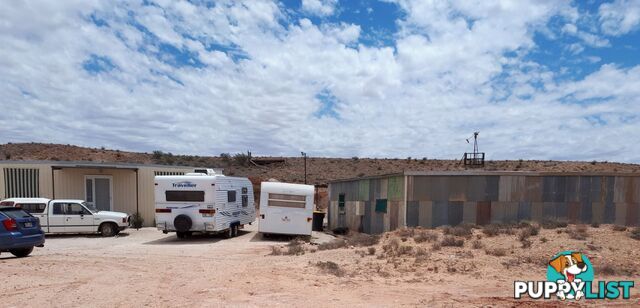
(330, 267)
(554, 224)
(635, 233)
(477, 244)
(363, 240)
(425, 236)
(497, 252)
(578, 232)
(461, 230)
(619, 228)
(335, 244)
(452, 241)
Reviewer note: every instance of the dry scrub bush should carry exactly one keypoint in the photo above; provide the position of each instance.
(635, 233)
(477, 244)
(554, 224)
(498, 252)
(578, 232)
(451, 241)
(363, 240)
(595, 224)
(619, 228)
(335, 244)
(371, 251)
(331, 268)
(425, 236)
(461, 230)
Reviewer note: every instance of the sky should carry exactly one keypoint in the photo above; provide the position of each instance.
(539, 79)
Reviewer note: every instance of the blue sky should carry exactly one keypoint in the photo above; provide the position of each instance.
(397, 78)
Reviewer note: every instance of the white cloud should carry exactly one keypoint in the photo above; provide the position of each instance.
(446, 75)
(319, 7)
(619, 17)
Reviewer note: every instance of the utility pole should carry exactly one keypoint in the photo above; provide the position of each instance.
(304, 156)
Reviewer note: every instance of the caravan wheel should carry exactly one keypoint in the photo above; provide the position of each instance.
(235, 231)
(228, 233)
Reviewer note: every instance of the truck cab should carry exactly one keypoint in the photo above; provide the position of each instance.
(71, 216)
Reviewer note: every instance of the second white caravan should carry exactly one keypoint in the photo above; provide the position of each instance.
(286, 208)
(203, 203)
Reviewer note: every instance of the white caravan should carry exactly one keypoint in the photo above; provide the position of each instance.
(203, 202)
(286, 208)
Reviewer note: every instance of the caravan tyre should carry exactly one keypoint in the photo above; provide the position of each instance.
(182, 223)
(235, 231)
(229, 232)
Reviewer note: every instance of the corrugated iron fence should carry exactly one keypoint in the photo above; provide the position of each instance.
(433, 201)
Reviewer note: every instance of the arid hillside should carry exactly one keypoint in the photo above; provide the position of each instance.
(291, 169)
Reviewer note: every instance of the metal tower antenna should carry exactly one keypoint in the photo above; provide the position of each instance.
(475, 159)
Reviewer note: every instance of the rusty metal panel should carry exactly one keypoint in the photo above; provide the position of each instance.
(586, 212)
(378, 223)
(632, 214)
(383, 186)
(469, 212)
(363, 190)
(506, 183)
(457, 186)
(533, 189)
(596, 189)
(549, 211)
(510, 212)
(620, 213)
(476, 186)
(455, 212)
(441, 185)
(483, 212)
(524, 211)
(393, 215)
(610, 212)
(561, 210)
(440, 213)
(572, 191)
(366, 220)
(413, 214)
(425, 214)
(548, 188)
(584, 194)
(621, 185)
(537, 211)
(422, 186)
(574, 212)
(497, 212)
(597, 212)
(492, 188)
(559, 191)
(395, 188)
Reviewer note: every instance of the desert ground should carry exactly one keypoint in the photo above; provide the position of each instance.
(445, 267)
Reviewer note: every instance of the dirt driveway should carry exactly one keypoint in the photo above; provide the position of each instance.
(148, 268)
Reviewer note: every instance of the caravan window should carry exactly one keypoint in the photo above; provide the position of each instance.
(185, 196)
(284, 200)
(231, 196)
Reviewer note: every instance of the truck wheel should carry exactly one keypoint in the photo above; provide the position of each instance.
(21, 253)
(107, 229)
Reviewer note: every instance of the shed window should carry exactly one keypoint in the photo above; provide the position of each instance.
(21, 182)
(184, 196)
(381, 205)
(231, 196)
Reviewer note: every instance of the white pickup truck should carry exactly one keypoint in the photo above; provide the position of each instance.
(71, 216)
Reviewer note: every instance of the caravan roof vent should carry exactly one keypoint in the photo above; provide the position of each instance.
(206, 171)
